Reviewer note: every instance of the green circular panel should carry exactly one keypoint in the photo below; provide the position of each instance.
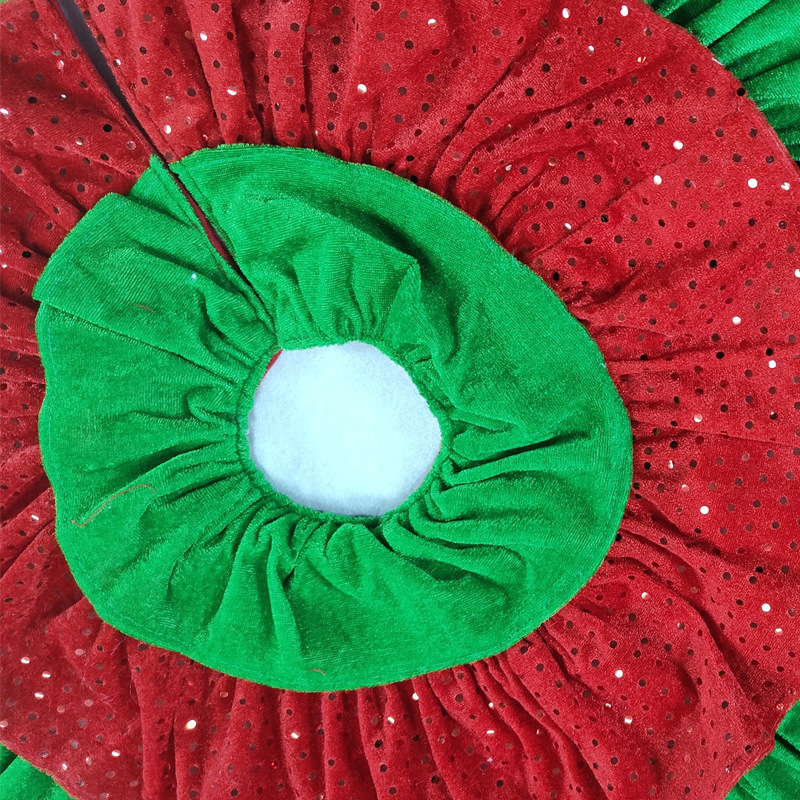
(153, 347)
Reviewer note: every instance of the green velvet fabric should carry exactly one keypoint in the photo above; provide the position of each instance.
(20, 781)
(153, 347)
(757, 40)
(777, 777)
(6, 758)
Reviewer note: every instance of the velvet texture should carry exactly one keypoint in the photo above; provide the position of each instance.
(147, 443)
(669, 673)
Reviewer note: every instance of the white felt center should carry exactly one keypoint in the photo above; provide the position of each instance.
(342, 428)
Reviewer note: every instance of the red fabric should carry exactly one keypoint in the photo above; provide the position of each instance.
(667, 675)
(65, 143)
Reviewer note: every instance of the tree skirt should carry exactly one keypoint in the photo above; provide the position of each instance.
(608, 151)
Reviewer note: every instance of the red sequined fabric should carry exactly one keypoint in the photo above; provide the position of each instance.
(609, 151)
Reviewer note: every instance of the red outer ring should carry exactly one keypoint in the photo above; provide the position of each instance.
(656, 270)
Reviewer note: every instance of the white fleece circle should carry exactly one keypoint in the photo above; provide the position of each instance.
(342, 428)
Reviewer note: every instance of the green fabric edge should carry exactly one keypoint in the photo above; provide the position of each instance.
(777, 776)
(20, 780)
(319, 683)
(759, 42)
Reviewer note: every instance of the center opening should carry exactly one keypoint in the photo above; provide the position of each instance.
(343, 429)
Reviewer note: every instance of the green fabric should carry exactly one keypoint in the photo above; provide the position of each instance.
(777, 777)
(757, 40)
(6, 758)
(153, 347)
(21, 781)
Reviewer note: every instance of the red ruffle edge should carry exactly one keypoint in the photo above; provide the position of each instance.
(611, 153)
